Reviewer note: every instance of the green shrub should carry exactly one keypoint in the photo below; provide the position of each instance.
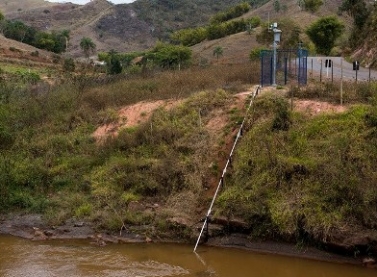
(69, 65)
(28, 76)
(255, 53)
(83, 210)
(230, 13)
(24, 200)
(6, 138)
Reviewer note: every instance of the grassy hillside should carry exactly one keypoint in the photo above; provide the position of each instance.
(237, 47)
(52, 162)
(49, 153)
(304, 178)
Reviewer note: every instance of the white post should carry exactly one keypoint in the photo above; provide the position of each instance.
(341, 81)
(327, 69)
(274, 66)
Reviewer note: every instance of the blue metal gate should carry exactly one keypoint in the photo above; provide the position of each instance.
(291, 65)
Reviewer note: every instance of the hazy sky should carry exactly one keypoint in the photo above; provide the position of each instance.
(82, 2)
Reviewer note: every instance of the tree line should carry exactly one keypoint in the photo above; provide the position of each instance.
(221, 25)
(55, 41)
(163, 55)
(192, 36)
(230, 13)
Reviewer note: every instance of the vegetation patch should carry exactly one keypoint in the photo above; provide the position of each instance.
(305, 180)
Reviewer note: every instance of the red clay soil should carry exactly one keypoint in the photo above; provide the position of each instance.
(138, 113)
(131, 116)
(312, 107)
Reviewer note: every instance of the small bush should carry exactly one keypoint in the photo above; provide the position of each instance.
(34, 53)
(56, 58)
(256, 53)
(28, 76)
(84, 210)
(69, 65)
(14, 49)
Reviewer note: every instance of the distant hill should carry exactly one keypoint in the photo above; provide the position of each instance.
(236, 48)
(16, 6)
(137, 26)
(125, 27)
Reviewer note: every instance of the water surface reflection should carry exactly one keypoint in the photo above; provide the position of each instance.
(78, 258)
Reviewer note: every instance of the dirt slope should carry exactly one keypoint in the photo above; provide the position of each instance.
(11, 50)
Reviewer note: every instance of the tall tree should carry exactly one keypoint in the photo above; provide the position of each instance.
(277, 6)
(66, 35)
(357, 9)
(87, 46)
(169, 56)
(324, 33)
(113, 64)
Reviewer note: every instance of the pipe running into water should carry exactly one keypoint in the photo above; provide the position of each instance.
(239, 134)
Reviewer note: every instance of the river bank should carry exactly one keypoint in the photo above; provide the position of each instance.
(32, 227)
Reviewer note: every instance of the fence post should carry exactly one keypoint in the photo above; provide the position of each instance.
(320, 73)
(332, 73)
(261, 65)
(285, 70)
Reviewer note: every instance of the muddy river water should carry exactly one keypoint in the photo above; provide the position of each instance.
(23, 258)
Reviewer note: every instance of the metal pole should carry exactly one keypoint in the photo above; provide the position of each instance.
(262, 70)
(200, 235)
(332, 73)
(239, 134)
(299, 65)
(274, 66)
(327, 69)
(285, 70)
(341, 81)
(320, 73)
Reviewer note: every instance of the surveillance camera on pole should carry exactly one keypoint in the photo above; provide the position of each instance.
(277, 35)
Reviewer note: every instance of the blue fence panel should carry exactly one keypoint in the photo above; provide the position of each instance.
(291, 65)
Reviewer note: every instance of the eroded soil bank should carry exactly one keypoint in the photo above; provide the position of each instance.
(33, 227)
